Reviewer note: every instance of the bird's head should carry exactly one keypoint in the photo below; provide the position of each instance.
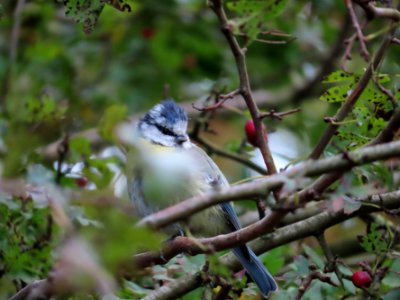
(165, 124)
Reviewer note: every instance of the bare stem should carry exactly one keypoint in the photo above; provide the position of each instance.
(353, 97)
(245, 89)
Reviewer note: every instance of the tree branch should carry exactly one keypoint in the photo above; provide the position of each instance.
(291, 233)
(357, 27)
(353, 97)
(245, 89)
(380, 12)
(195, 204)
(231, 155)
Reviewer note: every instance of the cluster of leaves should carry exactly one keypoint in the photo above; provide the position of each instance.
(252, 15)
(25, 251)
(370, 114)
(87, 12)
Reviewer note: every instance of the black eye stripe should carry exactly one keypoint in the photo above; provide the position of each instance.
(164, 130)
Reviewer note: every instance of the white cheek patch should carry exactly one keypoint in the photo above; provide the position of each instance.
(151, 133)
(187, 145)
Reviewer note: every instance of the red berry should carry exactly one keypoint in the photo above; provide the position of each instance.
(148, 32)
(361, 279)
(250, 130)
(81, 182)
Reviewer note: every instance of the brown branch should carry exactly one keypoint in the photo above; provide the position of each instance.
(309, 279)
(262, 226)
(379, 12)
(331, 261)
(39, 289)
(258, 188)
(356, 25)
(326, 65)
(176, 289)
(62, 151)
(261, 97)
(353, 97)
(288, 234)
(222, 99)
(347, 52)
(319, 222)
(278, 115)
(245, 89)
(233, 156)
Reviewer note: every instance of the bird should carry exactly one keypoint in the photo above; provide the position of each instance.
(174, 169)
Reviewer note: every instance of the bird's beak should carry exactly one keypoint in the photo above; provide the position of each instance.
(182, 138)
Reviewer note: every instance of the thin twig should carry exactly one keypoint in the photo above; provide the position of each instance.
(360, 35)
(273, 42)
(353, 97)
(258, 187)
(278, 115)
(331, 262)
(62, 155)
(222, 99)
(379, 12)
(232, 156)
(280, 236)
(309, 279)
(245, 89)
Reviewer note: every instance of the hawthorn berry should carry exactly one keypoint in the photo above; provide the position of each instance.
(148, 32)
(81, 182)
(361, 279)
(250, 130)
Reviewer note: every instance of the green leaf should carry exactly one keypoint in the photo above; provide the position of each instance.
(253, 14)
(267, 8)
(392, 295)
(97, 171)
(349, 286)
(301, 265)
(339, 76)
(217, 267)
(117, 238)
(86, 12)
(112, 117)
(392, 278)
(274, 259)
(81, 145)
(314, 256)
(373, 241)
(337, 93)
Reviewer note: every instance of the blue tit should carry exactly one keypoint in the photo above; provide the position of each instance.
(176, 169)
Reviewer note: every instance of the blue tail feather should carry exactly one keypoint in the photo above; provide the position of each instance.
(257, 271)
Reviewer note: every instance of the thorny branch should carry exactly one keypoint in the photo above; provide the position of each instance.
(231, 155)
(278, 115)
(353, 97)
(309, 279)
(288, 234)
(297, 230)
(360, 35)
(379, 12)
(222, 99)
(245, 89)
(258, 187)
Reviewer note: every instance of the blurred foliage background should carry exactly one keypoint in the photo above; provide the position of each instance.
(59, 77)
